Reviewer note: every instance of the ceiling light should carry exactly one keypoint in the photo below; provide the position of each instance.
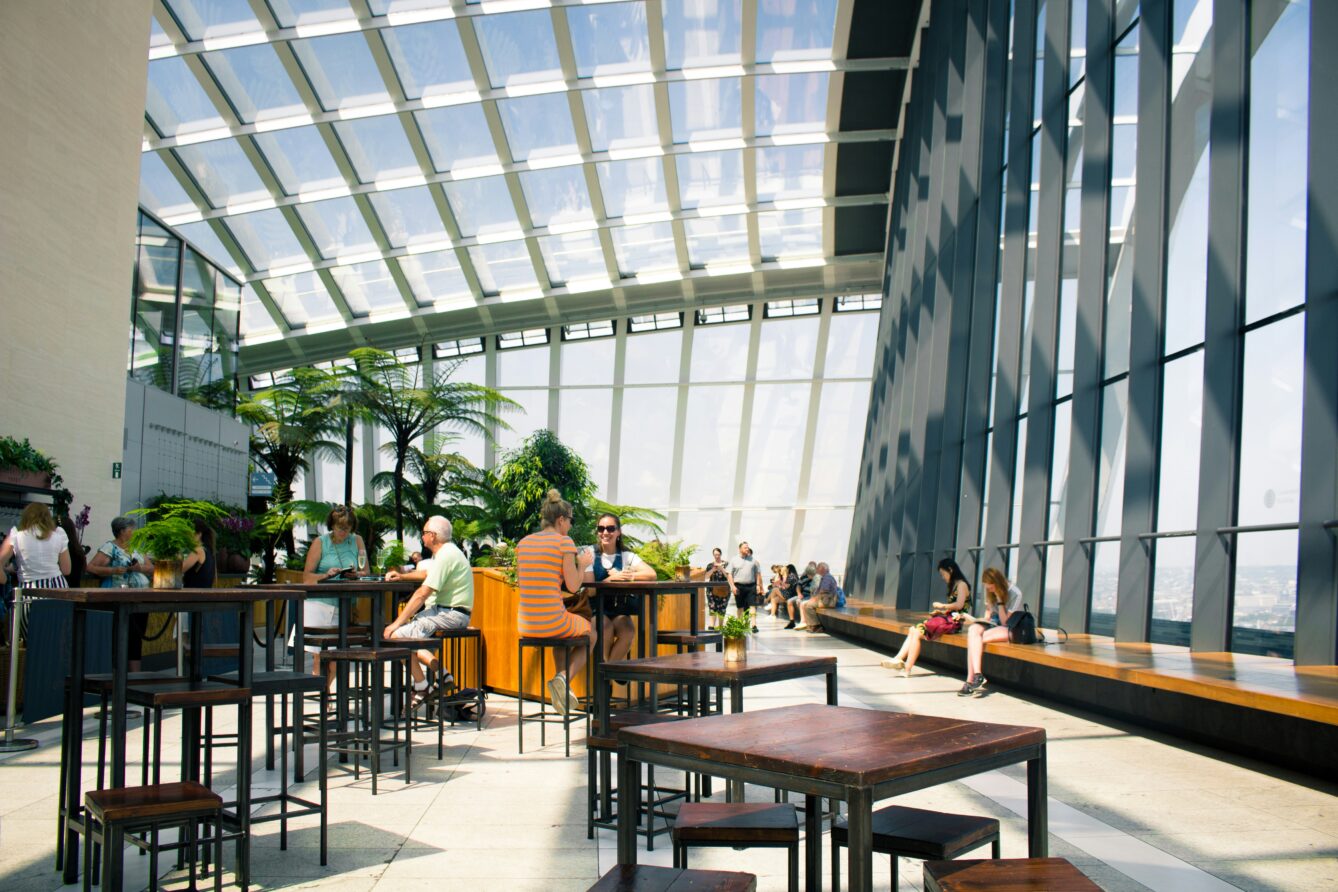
(504, 235)
(550, 161)
(322, 29)
(231, 41)
(696, 74)
(365, 111)
(728, 269)
(205, 135)
(245, 207)
(284, 123)
(716, 145)
(723, 210)
(338, 191)
(437, 100)
(402, 182)
(415, 16)
(534, 89)
(635, 152)
(799, 139)
(623, 80)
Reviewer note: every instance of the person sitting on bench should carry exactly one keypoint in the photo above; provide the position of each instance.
(1001, 599)
(444, 600)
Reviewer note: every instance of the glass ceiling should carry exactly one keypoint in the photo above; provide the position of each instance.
(439, 154)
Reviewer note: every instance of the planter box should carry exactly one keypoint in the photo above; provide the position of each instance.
(34, 479)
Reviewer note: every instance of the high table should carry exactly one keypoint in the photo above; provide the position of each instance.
(856, 755)
(121, 603)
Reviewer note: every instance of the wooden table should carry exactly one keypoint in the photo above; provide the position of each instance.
(836, 752)
(649, 618)
(121, 603)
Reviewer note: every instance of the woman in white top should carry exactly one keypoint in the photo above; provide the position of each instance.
(41, 548)
(1001, 599)
(614, 563)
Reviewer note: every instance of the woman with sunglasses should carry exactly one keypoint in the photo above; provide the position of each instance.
(612, 562)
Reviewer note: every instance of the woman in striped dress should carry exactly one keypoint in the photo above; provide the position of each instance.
(546, 564)
(41, 549)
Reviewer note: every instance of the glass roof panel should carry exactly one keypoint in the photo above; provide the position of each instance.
(482, 206)
(621, 117)
(644, 249)
(791, 103)
(632, 187)
(213, 19)
(699, 33)
(267, 239)
(159, 190)
(573, 256)
(436, 278)
(518, 48)
(255, 318)
(256, 83)
(795, 29)
(337, 227)
(341, 70)
(706, 109)
(429, 59)
(300, 160)
(713, 240)
(710, 178)
(457, 136)
(558, 195)
(384, 7)
(609, 39)
(302, 299)
(175, 102)
(409, 216)
(503, 267)
(789, 172)
(538, 126)
(368, 287)
(305, 13)
(378, 148)
(222, 170)
(786, 234)
(203, 236)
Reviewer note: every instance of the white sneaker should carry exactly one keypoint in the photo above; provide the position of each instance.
(801, 626)
(557, 693)
(894, 663)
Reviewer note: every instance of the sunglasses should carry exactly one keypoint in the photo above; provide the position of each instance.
(606, 529)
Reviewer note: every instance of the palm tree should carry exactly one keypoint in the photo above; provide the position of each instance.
(439, 477)
(396, 396)
(291, 424)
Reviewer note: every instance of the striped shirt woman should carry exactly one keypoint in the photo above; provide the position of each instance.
(546, 562)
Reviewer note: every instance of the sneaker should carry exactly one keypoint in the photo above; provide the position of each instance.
(557, 693)
(801, 626)
(979, 686)
(893, 663)
(967, 690)
(790, 624)
(754, 630)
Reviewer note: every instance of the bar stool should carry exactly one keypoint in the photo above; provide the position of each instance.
(115, 816)
(544, 717)
(365, 739)
(600, 791)
(918, 833)
(1050, 874)
(408, 719)
(739, 825)
(454, 647)
(643, 877)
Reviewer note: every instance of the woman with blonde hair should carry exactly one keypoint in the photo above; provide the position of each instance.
(1001, 599)
(41, 549)
(547, 563)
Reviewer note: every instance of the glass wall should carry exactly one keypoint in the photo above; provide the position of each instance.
(184, 319)
(1182, 383)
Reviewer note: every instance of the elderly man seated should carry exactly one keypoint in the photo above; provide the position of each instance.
(444, 600)
(823, 596)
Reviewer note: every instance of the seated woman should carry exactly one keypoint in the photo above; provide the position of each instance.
(546, 564)
(330, 554)
(119, 568)
(943, 621)
(776, 589)
(1001, 599)
(612, 562)
(789, 586)
(804, 588)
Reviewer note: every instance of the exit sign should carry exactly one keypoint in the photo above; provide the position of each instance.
(116, 470)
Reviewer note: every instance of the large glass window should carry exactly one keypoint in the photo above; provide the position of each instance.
(1123, 151)
(775, 448)
(711, 445)
(647, 446)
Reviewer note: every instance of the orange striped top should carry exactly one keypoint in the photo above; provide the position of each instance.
(539, 559)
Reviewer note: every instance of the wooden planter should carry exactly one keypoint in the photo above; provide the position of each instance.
(35, 479)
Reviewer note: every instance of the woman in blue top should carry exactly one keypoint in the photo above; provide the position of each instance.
(328, 556)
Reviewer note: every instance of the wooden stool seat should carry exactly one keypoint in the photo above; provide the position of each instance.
(648, 878)
(923, 834)
(630, 718)
(737, 823)
(101, 682)
(918, 833)
(182, 799)
(432, 643)
(368, 654)
(686, 638)
(1010, 874)
(558, 716)
(467, 632)
(179, 694)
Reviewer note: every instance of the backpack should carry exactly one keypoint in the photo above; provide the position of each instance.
(840, 597)
(1022, 626)
(464, 711)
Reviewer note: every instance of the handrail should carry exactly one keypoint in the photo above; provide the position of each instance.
(1088, 540)
(1257, 528)
(1009, 545)
(1331, 525)
(1169, 534)
(1046, 543)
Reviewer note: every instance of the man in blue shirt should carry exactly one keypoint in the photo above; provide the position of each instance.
(824, 596)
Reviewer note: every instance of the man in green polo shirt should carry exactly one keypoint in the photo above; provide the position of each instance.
(444, 600)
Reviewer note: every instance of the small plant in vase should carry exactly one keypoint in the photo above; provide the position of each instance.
(170, 535)
(735, 631)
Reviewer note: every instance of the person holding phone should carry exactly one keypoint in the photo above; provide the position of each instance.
(330, 554)
(612, 562)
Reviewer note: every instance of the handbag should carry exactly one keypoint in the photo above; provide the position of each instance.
(1022, 626)
(579, 604)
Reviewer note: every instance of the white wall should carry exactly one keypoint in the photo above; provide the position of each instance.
(72, 82)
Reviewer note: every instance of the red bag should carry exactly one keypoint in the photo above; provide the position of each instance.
(938, 624)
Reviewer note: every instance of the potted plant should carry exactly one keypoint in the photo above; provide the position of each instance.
(234, 542)
(735, 631)
(170, 535)
(22, 464)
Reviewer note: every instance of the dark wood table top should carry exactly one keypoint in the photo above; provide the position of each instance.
(837, 744)
(659, 586)
(115, 597)
(711, 666)
(332, 589)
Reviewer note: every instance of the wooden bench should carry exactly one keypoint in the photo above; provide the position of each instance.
(647, 878)
(1013, 874)
(1263, 707)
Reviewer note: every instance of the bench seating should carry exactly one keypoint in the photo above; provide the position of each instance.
(1263, 707)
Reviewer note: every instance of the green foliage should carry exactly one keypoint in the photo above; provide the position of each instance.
(382, 389)
(442, 477)
(666, 557)
(393, 556)
(24, 456)
(169, 533)
(292, 423)
(736, 626)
